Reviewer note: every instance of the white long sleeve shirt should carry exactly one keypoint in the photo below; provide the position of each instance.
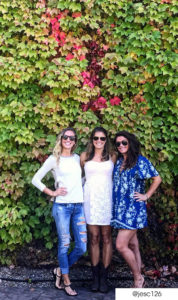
(66, 174)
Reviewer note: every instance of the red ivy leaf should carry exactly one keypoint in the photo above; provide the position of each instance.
(82, 57)
(76, 15)
(69, 56)
(115, 101)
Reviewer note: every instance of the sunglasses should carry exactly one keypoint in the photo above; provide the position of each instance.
(124, 143)
(71, 138)
(102, 138)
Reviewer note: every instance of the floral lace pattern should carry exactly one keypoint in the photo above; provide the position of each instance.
(98, 192)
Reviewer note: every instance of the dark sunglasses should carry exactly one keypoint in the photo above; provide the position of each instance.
(71, 138)
(124, 143)
(102, 138)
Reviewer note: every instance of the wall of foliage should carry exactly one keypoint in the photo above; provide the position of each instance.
(84, 63)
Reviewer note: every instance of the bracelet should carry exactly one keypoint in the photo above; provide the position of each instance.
(146, 197)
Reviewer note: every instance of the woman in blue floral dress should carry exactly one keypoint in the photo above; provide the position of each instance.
(129, 199)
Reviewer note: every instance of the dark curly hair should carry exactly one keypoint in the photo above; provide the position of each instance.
(90, 151)
(133, 151)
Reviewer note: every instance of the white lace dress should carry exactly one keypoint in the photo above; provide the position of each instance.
(98, 192)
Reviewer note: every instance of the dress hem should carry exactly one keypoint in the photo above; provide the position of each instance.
(119, 225)
(99, 224)
(68, 202)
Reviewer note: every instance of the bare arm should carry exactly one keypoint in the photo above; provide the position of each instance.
(114, 157)
(153, 187)
(82, 163)
(82, 159)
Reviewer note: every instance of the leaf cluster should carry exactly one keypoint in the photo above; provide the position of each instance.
(43, 91)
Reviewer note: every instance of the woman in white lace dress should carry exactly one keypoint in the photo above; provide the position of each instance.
(98, 164)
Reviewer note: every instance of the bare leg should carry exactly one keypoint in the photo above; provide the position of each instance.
(94, 234)
(134, 246)
(123, 238)
(107, 245)
(67, 283)
(106, 257)
(58, 275)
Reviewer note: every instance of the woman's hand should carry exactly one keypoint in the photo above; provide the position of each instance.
(144, 197)
(140, 197)
(62, 191)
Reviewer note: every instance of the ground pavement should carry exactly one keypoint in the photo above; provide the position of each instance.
(47, 293)
(20, 283)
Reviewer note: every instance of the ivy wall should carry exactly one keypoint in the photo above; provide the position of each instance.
(83, 63)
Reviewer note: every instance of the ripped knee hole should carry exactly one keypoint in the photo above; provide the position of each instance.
(81, 223)
(84, 240)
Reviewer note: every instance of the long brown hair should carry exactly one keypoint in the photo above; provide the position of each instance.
(133, 151)
(90, 150)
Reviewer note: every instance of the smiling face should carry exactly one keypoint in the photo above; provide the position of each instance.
(122, 145)
(99, 140)
(68, 140)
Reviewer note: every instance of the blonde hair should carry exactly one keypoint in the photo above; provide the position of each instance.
(57, 151)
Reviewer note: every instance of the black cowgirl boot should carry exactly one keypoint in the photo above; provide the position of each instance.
(103, 287)
(95, 282)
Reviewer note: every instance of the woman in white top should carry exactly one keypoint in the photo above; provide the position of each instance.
(68, 204)
(98, 166)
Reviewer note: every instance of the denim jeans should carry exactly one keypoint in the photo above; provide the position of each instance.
(66, 215)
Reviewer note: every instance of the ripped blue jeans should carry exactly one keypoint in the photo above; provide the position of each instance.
(66, 215)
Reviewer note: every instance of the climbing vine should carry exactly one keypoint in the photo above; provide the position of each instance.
(83, 63)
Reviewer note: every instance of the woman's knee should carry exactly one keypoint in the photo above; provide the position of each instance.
(64, 243)
(120, 247)
(106, 238)
(94, 239)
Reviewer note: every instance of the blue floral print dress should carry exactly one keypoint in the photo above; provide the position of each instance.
(126, 212)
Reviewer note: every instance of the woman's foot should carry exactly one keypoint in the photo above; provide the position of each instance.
(95, 278)
(139, 283)
(57, 277)
(69, 290)
(103, 286)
